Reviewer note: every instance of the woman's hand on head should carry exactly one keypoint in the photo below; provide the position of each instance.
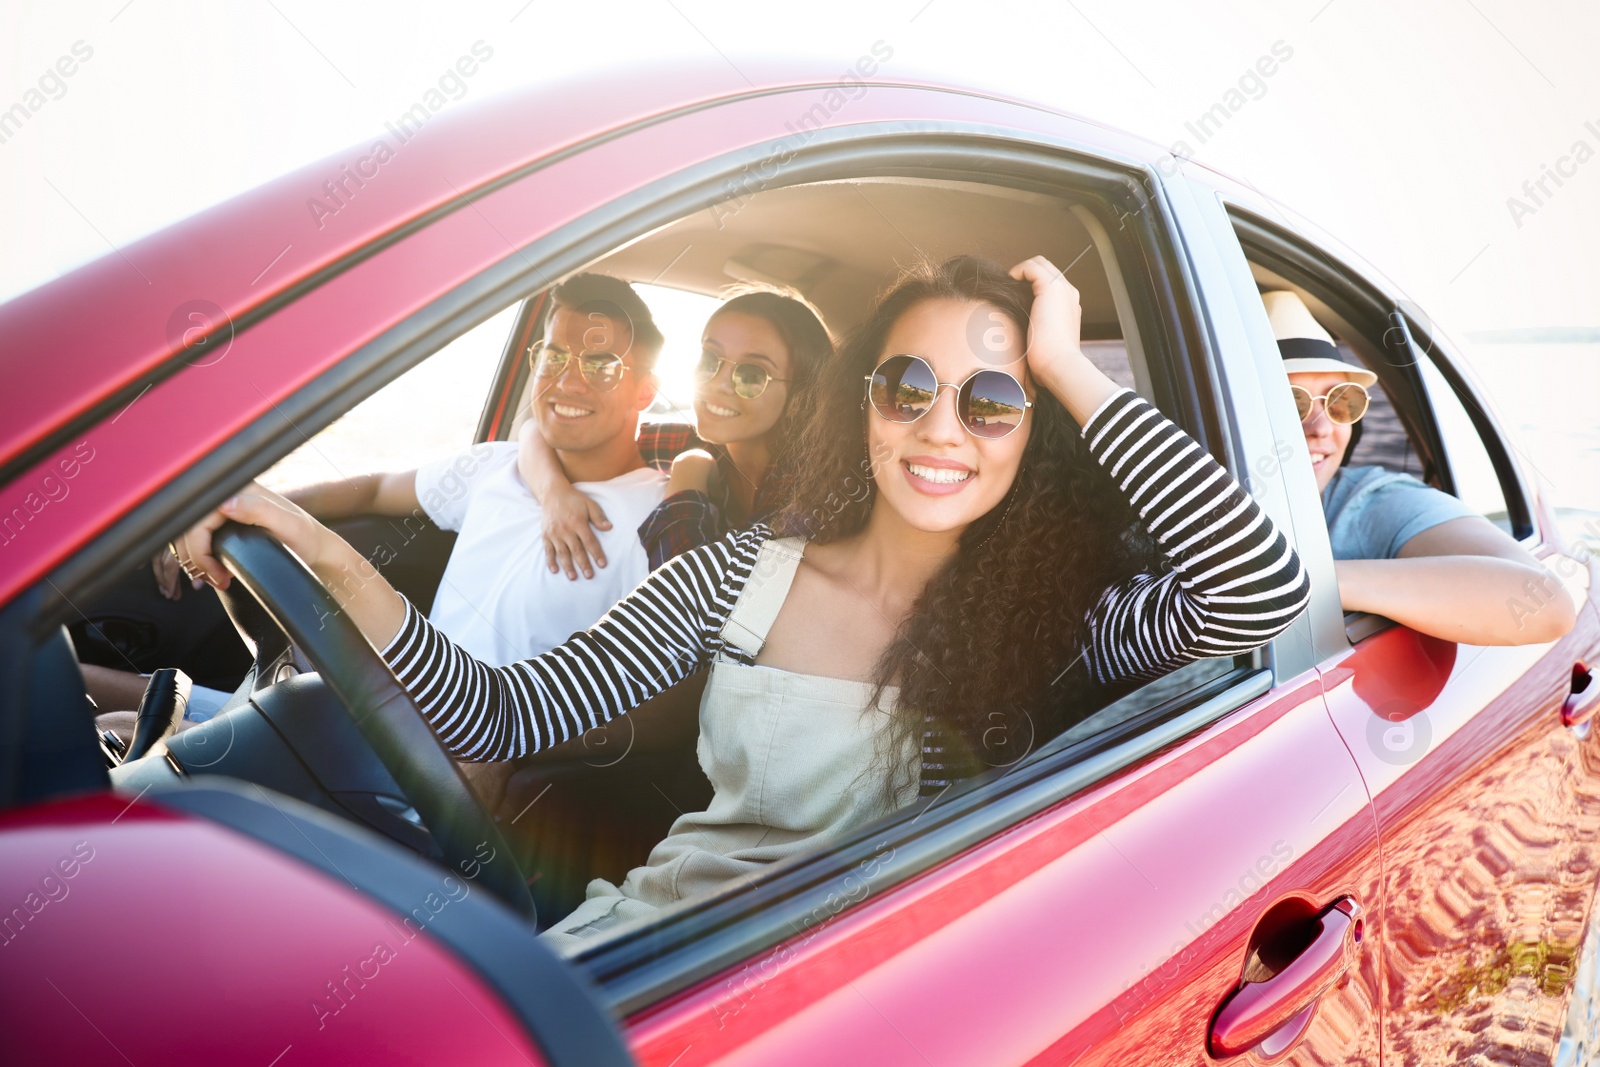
(1056, 321)
(1055, 330)
(570, 521)
(254, 505)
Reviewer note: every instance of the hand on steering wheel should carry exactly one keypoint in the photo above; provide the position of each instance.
(165, 568)
(255, 504)
(387, 716)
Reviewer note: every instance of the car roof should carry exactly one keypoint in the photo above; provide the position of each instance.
(98, 329)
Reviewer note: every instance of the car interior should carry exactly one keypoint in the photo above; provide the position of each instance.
(593, 807)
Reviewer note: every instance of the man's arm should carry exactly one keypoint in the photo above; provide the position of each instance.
(365, 494)
(1463, 580)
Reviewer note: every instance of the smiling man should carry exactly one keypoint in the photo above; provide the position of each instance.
(592, 373)
(1403, 549)
(591, 376)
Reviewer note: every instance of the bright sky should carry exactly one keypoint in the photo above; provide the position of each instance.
(1403, 129)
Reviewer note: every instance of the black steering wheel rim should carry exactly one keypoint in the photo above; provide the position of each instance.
(307, 613)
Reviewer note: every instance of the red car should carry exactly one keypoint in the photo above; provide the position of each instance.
(1355, 845)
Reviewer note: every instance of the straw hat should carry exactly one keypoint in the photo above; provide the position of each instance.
(1305, 346)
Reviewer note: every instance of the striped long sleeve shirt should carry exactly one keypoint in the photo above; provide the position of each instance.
(1235, 583)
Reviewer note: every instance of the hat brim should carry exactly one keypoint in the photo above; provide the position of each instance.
(1318, 365)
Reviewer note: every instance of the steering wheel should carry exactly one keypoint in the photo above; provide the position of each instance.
(307, 613)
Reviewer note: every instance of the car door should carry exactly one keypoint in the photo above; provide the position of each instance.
(1107, 928)
(1488, 801)
(1485, 797)
(1488, 806)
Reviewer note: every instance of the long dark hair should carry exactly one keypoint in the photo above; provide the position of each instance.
(810, 348)
(989, 658)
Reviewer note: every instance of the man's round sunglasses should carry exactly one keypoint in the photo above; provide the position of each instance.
(749, 379)
(602, 370)
(1345, 403)
(990, 403)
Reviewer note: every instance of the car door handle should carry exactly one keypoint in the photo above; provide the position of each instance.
(1255, 1011)
(1580, 705)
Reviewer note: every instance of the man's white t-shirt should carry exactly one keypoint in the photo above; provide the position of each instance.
(498, 599)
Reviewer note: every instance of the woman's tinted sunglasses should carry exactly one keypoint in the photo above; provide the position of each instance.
(749, 379)
(990, 403)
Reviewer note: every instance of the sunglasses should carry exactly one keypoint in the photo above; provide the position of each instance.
(602, 370)
(1345, 403)
(749, 379)
(990, 403)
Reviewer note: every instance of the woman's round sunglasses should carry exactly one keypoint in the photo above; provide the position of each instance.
(749, 379)
(602, 370)
(1345, 403)
(990, 403)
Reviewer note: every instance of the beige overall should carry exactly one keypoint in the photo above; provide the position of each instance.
(791, 757)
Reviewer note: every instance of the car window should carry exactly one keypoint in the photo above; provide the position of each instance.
(436, 407)
(1397, 432)
(836, 245)
(1111, 357)
(1189, 677)
(682, 316)
(430, 411)
(1476, 482)
(1383, 437)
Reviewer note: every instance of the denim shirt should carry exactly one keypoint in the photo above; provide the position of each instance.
(1372, 512)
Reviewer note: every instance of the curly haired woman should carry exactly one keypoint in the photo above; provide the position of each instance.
(994, 549)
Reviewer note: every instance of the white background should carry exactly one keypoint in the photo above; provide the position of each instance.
(1402, 128)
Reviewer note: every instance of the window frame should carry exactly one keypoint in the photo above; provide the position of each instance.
(1508, 472)
(1365, 306)
(499, 413)
(1358, 302)
(667, 957)
(639, 968)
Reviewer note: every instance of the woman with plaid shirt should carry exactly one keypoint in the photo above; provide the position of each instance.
(760, 351)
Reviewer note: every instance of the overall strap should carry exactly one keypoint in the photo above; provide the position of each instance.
(763, 594)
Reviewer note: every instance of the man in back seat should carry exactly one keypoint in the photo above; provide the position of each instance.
(1403, 549)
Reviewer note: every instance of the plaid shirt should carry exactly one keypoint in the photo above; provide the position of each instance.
(692, 518)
